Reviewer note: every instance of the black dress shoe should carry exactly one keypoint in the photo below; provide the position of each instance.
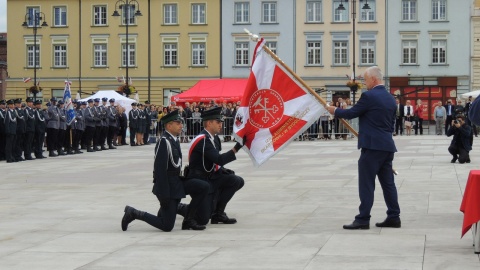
(453, 160)
(29, 158)
(188, 224)
(223, 218)
(111, 147)
(390, 223)
(356, 226)
(104, 148)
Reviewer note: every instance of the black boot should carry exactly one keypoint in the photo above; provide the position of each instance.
(111, 146)
(89, 149)
(130, 215)
(220, 216)
(52, 154)
(103, 147)
(190, 223)
(182, 209)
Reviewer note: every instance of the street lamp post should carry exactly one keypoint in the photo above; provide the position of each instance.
(340, 7)
(35, 18)
(128, 10)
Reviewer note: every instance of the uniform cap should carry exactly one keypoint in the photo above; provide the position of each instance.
(147, 101)
(112, 100)
(213, 114)
(134, 104)
(18, 100)
(90, 101)
(96, 100)
(53, 99)
(61, 102)
(38, 102)
(172, 116)
(83, 103)
(10, 101)
(104, 99)
(29, 99)
(3, 102)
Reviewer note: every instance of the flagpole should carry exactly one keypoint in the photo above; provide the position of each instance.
(317, 96)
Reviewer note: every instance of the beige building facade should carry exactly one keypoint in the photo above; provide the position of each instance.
(171, 46)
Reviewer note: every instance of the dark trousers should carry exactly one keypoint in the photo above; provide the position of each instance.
(2, 145)
(27, 146)
(448, 123)
(89, 134)
(18, 150)
(419, 126)
(198, 190)
(459, 152)
(399, 125)
(9, 143)
(123, 132)
(52, 135)
(165, 218)
(60, 139)
(133, 131)
(103, 135)
(147, 133)
(77, 137)
(83, 141)
(96, 136)
(38, 147)
(68, 139)
(111, 133)
(374, 163)
(225, 186)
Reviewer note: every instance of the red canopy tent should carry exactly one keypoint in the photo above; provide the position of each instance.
(229, 90)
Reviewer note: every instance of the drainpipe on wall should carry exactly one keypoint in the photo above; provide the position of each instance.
(80, 47)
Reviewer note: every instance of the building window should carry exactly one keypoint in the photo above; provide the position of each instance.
(58, 93)
(272, 45)
(368, 15)
(367, 52)
(314, 11)
(170, 54)
(60, 55)
(99, 15)
(242, 12)
(130, 53)
(128, 14)
(198, 54)
(269, 12)
(314, 53)
(31, 53)
(241, 54)
(33, 12)
(100, 55)
(198, 14)
(439, 51)
(439, 10)
(167, 95)
(340, 53)
(340, 15)
(60, 16)
(409, 10)
(170, 14)
(409, 48)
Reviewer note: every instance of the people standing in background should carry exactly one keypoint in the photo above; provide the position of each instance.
(419, 117)
(10, 131)
(450, 110)
(440, 117)
(399, 114)
(40, 128)
(3, 112)
(408, 117)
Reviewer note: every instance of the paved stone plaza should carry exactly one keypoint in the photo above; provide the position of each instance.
(65, 212)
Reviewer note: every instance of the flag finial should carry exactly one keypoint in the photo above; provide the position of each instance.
(253, 37)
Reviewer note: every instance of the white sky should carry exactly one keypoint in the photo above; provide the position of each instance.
(3, 15)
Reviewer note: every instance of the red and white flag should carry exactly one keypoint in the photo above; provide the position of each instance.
(25, 80)
(274, 110)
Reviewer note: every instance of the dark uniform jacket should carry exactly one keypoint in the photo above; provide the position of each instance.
(103, 115)
(461, 136)
(30, 119)
(166, 177)
(89, 115)
(133, 118)
(40, 123)
(2, 120)
(62, 119)
(11, 122)
(21, 122)
(112, 116)
(80, 121)
(205, 158)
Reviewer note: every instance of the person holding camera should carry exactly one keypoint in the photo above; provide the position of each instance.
(461, 143)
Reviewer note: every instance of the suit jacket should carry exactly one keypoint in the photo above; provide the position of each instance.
(10, 122)
(133, 118)
(376, 111)
(53, 117)
(89, 116)
(166, 177)
(112, 116)
(452, 109)
(21, 120)
(461, 134)
(30, 119)
(40, 122)
(401, 110)
(474, 112)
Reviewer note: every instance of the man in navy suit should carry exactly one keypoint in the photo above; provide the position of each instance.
(474, 112)
(376, 111)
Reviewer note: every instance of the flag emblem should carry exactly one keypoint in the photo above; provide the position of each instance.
(265, 108)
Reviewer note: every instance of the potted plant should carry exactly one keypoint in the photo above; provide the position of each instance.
(35, 89)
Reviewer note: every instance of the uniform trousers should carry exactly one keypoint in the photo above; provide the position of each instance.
(165, 218)
(77, 136)
(103, 135)
(19, 141)
(111, 133)
(224, 186)
(61, 139)
(96, 136)
(133, 131)
(89, 134)
(52, 135)
(9, 143)
(27, 146)
(374, 163)
(38, 146)
(2, 145)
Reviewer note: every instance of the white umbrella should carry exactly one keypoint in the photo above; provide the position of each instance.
(474, 94)
(136, 97)
(77, 97)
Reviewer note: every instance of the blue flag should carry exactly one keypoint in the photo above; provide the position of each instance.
(67, 98)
